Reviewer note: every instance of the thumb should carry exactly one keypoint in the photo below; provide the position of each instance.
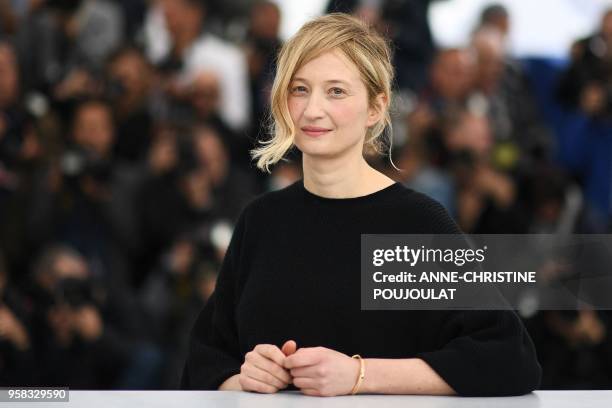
(289, 347)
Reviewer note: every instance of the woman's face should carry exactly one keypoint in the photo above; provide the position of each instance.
(328, 103)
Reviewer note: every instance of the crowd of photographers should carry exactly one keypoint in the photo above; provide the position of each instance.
(125, 129)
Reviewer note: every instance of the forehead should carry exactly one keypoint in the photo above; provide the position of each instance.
(331, 65)
(90, 110)
(128, 57)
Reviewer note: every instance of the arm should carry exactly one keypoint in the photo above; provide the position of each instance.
(214, 352)
(320, 371)
(402, 376)
(475, 354)
(231, 384)
(211, 359)
(215, 360)
(483, 353)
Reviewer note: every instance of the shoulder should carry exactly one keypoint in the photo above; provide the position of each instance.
(421, 201)
(421, 212)
(271, 203)
(274, 199)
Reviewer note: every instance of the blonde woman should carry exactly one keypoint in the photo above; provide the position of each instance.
(286, 312)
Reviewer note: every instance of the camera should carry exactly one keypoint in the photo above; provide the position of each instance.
(77, 163)
(74, 292)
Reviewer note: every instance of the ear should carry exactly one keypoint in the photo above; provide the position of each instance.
(376, 112)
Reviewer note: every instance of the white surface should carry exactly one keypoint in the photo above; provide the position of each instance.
(203, 399)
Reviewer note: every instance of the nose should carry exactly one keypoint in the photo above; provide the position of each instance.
(314, 107)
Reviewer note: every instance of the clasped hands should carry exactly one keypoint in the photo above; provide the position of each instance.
(316, 371)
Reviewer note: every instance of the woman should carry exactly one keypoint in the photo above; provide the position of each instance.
(286, 311)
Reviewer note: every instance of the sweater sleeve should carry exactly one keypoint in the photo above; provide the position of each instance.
(480, 352)
(214, 352)
(485, 353)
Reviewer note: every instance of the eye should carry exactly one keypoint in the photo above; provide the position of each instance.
(335, 91)
(298, 90)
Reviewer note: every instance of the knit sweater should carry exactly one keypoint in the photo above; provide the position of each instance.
(292, 272)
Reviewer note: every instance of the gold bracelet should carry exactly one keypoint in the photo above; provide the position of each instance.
(361, 374)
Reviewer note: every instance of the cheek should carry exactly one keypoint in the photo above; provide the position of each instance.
(348, 115)
(296, 107)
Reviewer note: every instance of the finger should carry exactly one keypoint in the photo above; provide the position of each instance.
(305, 371)
(289, 347)
(313, 392)
(267, 365)
(271, 352)
(249, 384)
(261, 375)
(305, 382)
(303, 357)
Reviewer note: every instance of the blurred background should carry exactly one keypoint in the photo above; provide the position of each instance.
(125, 129)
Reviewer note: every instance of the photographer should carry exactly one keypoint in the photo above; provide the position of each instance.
(63, 43)
(486, 197)
(75, 201)
(86, 327)
(18, 143)
(72, 200)
(131, 90)
(178, 288)
(586, 84)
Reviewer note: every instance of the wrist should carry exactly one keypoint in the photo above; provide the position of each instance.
(360, 374)
(367, 386)
(231, 384)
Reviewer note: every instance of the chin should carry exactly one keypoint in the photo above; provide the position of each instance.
(324, 154)
(314, 154)
(313, 147)
(322, 148)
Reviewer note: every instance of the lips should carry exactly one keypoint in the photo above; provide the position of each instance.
(314, 130)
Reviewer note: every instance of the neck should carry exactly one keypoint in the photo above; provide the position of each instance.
(342, 177)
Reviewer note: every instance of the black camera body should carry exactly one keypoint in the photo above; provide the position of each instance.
(74, 292)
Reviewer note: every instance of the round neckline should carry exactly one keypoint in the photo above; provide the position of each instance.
(364, 198)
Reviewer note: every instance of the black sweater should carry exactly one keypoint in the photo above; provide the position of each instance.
(292, 272)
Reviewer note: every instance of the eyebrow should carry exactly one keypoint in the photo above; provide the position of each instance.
(329, 81)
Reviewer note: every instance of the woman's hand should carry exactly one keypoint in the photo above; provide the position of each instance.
(263, 369)
(322, 372)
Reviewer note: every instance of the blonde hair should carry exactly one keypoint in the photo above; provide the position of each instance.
(364, 47)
